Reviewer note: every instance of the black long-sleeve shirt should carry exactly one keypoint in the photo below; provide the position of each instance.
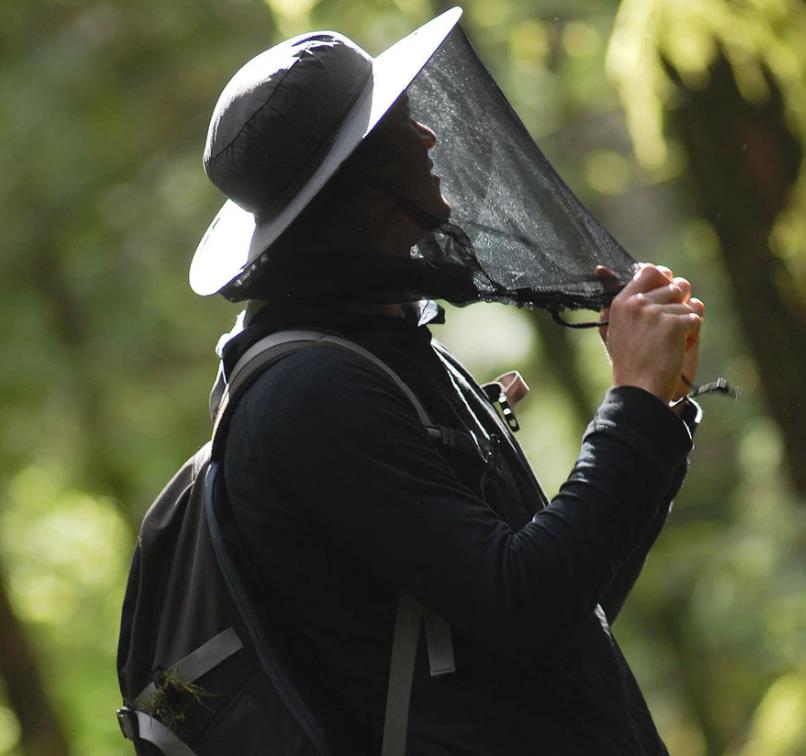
(343, 501)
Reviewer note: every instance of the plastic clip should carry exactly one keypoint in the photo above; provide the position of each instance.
(508, 414)
(127, 720)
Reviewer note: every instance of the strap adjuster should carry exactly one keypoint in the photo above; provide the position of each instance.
(127, 720)
(497, 395)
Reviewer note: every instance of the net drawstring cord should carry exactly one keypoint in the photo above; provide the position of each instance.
(718, 386)
(555, 314)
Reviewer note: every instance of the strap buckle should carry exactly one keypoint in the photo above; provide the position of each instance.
(127, 720)
(508, 414)
(497, 394)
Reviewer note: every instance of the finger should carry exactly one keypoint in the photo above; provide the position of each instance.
(603, 330)
(611, 285)
(693, 324)
(609, 280)
(647, 278)
(666, 271)
(683, 284)
(662, 268)
(604, 319)
(693, 338)
(667, 294)
(683, 324)
(673, 308)
(697, 305)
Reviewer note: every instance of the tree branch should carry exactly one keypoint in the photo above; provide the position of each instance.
(42, 734)
(744, 162)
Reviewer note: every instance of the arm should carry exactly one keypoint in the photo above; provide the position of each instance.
(656, 288)
(616, 593)
(349, 450)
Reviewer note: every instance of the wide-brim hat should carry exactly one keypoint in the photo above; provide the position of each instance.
(284, 125)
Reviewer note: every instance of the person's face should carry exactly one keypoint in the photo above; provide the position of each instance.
(403, 145)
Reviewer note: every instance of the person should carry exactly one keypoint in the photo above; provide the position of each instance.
(343, 501)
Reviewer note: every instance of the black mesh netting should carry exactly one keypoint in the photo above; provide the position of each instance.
(532, 241)
(516, 234)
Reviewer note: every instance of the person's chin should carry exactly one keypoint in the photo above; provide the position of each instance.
(443, 211)
(440, 208)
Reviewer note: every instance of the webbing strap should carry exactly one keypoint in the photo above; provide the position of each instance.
(276, 345)
(199, 662)
(440, 644)
(410, 616)
(156, 733)
(401, 676)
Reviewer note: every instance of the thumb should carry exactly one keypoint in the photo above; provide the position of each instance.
(611, 285)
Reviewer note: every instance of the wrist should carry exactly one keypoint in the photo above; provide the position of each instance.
(661, 433)
(664, 393)
(688, 411)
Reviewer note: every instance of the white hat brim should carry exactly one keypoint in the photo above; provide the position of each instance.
(233, 240)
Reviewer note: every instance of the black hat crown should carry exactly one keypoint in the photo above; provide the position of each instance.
(278, 116)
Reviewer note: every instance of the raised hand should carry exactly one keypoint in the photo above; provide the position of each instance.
(653, 332)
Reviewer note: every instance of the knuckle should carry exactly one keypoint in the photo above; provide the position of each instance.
(617, 301)
(621, 301)
(634, 301)
(688, 323)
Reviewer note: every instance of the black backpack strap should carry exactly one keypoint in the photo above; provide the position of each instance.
(410, 614)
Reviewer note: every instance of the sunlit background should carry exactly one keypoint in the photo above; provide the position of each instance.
(681, 123)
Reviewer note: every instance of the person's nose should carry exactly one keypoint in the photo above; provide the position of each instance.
(428, 136)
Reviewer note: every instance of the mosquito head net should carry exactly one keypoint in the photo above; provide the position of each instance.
(498, 224)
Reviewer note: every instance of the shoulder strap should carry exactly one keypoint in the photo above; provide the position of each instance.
(410, 614)
(456, 368)
(274, 347)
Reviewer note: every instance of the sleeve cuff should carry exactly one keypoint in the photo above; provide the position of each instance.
(690, 414)
(647, 423)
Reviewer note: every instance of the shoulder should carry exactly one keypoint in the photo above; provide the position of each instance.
(322, 385)
(320, 371)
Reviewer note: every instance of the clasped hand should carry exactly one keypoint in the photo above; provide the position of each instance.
(653, 331)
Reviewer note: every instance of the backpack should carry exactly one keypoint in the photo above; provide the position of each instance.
(201, 667)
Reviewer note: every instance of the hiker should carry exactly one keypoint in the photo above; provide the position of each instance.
(354, 203)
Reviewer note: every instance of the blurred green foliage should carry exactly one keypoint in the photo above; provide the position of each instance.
(761, 39)
(109, 355)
